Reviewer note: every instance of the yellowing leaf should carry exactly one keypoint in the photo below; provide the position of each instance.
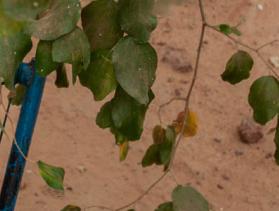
(124, 148)
(158, 134)
(191, 124)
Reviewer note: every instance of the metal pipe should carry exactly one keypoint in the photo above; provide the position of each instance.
(24, 131)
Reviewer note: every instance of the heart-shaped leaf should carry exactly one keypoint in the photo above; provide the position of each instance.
(186, 198)
(135, 66)
(264, 98)
(99, 76)
(100, 23)
(52, 175)
(60, 19)
(238, 67)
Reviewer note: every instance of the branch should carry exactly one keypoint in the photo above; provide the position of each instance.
(257, 50)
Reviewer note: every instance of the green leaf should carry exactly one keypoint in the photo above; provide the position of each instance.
(238, 67)
(60, 19)
(160, 152)
(100, 23)
(135, 66)
(103, 119)
(72, 48)
(19, 95)
(52, 175)
(71, 208)
(166, 146)
(264, 98)
(185, 198)
(168, 206)
(99, 77)
(14, 45)
(61, 77)
(128, 115)
(24, 9)
(136, 18)
(44, 63)
(152, 156)
(228, 30)
(276, 140)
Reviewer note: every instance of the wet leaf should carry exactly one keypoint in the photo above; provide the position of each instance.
(60, 19)
(52, 175)
(135, 66)
(100, 23)
(264, 98)
(238, 67)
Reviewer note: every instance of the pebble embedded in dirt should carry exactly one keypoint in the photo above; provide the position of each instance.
(238, 153)
(249, 132)
(177, 60)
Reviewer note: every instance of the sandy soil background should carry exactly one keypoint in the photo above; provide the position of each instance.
(233, 176)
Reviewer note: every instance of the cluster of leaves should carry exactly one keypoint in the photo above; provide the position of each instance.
(109, 53)
(160, 152)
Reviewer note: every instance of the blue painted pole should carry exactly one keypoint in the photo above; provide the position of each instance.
(29, 111)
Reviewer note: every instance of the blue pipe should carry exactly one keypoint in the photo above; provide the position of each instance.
(26, 75)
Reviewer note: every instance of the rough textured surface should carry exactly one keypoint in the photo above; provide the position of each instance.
(231, 175)
(249, 132)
